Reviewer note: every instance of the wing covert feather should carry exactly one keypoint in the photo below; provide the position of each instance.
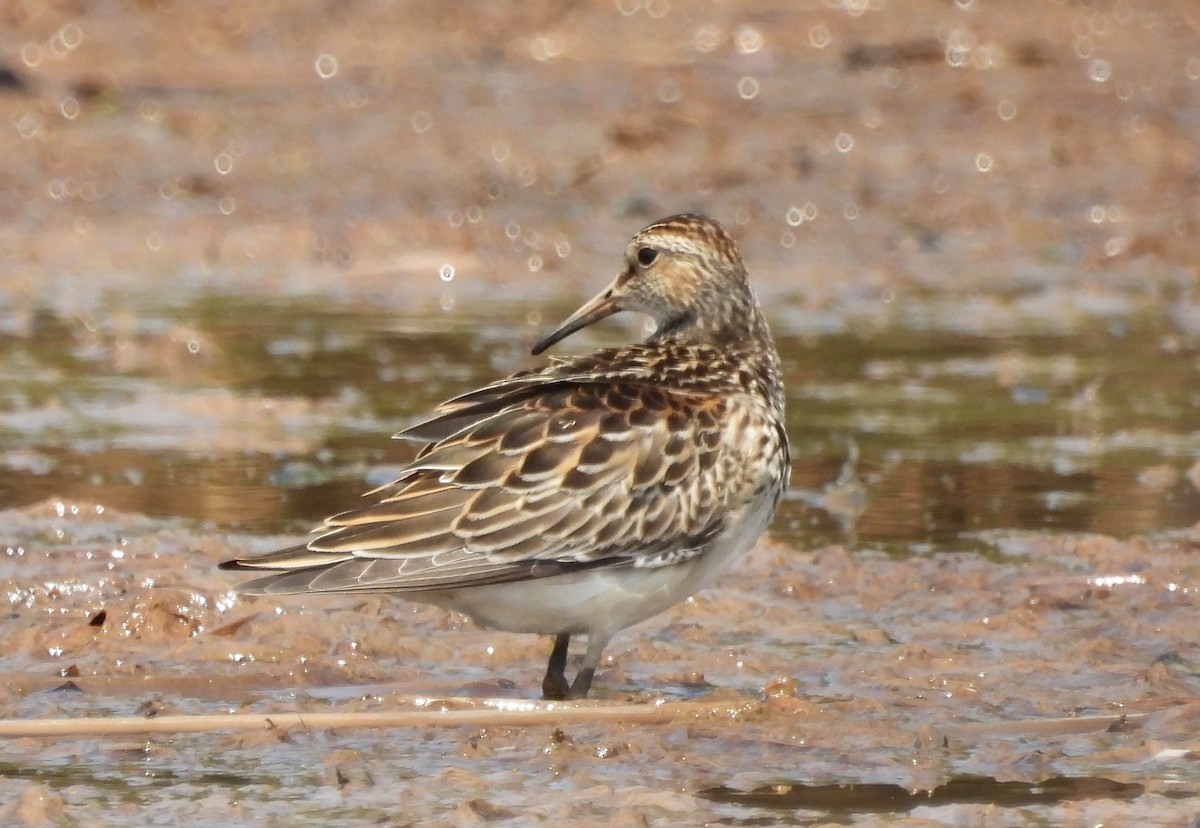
(536, 473)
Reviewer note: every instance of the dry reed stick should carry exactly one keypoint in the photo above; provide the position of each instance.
(501, 714)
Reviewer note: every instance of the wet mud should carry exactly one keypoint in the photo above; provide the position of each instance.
(242, 245)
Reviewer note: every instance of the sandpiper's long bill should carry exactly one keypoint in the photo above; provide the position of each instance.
(592, 493)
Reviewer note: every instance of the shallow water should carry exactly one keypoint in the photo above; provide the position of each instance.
(912, 439)
(911, 443)
(237, 255)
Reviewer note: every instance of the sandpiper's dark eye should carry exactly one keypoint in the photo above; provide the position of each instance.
(647, 256)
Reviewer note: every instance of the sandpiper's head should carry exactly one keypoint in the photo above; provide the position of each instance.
(686, 273)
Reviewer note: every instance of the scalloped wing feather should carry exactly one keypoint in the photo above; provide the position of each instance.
(588, 462)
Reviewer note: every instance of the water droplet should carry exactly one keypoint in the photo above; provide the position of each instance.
(446, 272)
(150, 111)
(69, 107)
(226, 206)
(1007, 110)
(1084, 47)
(474, 214)
(499, 151)
(64, 41)
(628, 7)
(1099, 70)
(545, 47)
(70, 36)
(455, 218)
(1098, 24)
(747, 40)
(526, 175)
(1133, 125)
(787, 238)
(421, 121)
(57, 189)
(154, 242)
(535, 262)
(850, 211)
(326, 66)
(512, 229)
(658, 9)
(819, 37)
(810, 211)
(748, 88)
(563, 248)
(29, 125)
(669, 92)
(193, 346)
(959, 43)
(844, 142)
(985, 56)
(795, 216)
(983, 162)
(706, 38)
(32, 55)
(223, 163)
(1192, 68)
(887, 296)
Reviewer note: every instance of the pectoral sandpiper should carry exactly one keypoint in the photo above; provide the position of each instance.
(592, 493)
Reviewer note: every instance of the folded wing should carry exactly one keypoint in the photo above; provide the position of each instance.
(532, 476)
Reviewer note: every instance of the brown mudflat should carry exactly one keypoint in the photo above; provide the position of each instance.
(242, 248)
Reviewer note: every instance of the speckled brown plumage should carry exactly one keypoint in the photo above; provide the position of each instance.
(629, 475)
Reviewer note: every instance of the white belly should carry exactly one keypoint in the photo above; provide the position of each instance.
(603, 600)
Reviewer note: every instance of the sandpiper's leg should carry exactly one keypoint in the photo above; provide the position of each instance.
(583, 679)
(554, 685)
